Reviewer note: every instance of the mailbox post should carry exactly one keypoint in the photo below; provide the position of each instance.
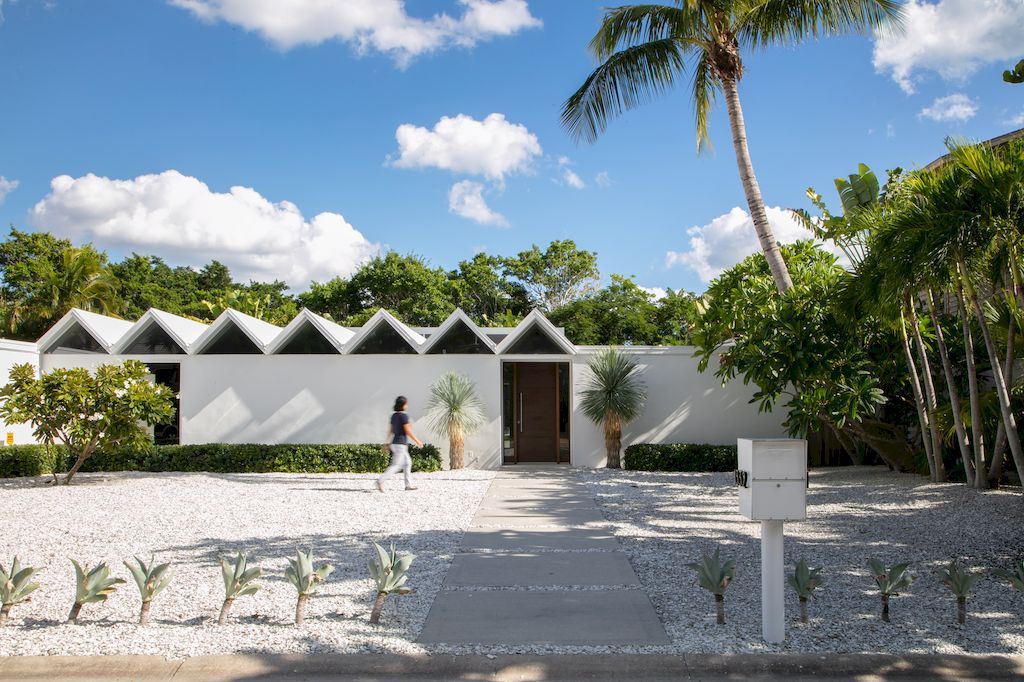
(772, 480)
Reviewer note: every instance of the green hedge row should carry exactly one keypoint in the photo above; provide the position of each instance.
(32, 460)
(693, 457)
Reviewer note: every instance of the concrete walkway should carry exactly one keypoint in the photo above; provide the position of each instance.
(538, 567)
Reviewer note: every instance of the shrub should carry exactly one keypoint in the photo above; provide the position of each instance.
(32, 460)
(691, 457)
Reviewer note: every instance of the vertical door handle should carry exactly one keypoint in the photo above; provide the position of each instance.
(520, 411)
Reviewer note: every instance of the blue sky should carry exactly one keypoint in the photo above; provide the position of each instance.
(206, 95)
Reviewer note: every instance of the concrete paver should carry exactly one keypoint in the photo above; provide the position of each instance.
(541, 538)
(543, 569)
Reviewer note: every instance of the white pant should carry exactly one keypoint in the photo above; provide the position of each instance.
(400, 461)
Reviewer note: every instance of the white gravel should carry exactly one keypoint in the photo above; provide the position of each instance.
(192, 519)
(667, 520)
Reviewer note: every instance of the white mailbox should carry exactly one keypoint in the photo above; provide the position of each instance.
(772, 478)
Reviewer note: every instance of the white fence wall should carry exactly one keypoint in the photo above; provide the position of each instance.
(16, 353)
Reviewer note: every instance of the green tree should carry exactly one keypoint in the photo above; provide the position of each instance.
(620, 314)
(560, 274)
(483, 291)
(27, 261)
(1015, 75)
(405, 285)
(674, 318)
(644, 51)
(613, 395)
(86, 411)
(148, 282)
(333, 298)
(80, 280)
(215, 276)
(456, 411)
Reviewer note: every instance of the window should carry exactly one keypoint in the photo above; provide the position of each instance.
(460, 339)
(154, 340)
(535, 342)
(308, 341)
(231, 341)
(169, 375)
(385, 340)
(75, 340)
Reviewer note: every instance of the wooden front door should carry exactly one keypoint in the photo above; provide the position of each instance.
(537, 412)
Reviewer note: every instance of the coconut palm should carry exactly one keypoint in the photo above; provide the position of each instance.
(613, 395)
(645, 49)
(456, 411)
(82, 281)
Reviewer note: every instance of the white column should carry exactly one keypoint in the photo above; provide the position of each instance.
(773, 583)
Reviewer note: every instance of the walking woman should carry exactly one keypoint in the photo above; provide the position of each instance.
(399, 433)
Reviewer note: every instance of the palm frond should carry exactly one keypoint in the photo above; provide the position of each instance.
(760, 23)
(454, 405)
(630, 25)
(613, 389)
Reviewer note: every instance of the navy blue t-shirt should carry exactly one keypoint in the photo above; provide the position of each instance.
(398, 422)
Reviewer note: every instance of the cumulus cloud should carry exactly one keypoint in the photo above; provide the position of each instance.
(180, 217)
(492, 148)
(6, 187)
(656, 293)
(368, 25)
(729, 238)
(466, 199)
(957, 107)
(952, 38)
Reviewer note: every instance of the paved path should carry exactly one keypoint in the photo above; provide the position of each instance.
(539, 567)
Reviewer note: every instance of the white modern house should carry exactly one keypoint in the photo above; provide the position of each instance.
(242, 380)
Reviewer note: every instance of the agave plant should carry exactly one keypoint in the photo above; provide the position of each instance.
(889, 581)
(804, 581)
(15, 586)
(1015, 576)
(151, 579)
(301, 574)
(613, 395)
(239, 581)
(390, 572)
(714, 575)
(91, 587)
(960, 583)
(456, 411)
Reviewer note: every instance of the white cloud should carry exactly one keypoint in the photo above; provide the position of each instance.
(569, 176)
(182, 219)
(492, 148)
(6, 187)
(730, 238)
(956, 107)
(657, 293)
(1017, 120)
(951, 37)
(368, 25)
(602, 179)
(466, 199)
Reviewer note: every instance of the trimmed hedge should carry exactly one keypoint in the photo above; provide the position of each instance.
(691, 457)
(31, 460)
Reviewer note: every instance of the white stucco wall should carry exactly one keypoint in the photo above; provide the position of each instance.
(16, 353)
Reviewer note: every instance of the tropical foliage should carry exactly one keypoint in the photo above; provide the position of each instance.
(151, 579)
(455, 410)
(305, 578)
(91, 587)
(715, 575)
(239, 581)
(890, 581)
(15, 586)
(612, 395)
(804, 580)
(389, 570)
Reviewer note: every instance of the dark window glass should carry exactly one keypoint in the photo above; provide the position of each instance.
(154, 340)
(508, 412)
(564, 389)
(535, 342)
(169, 375)
(308, 341)
(231, 341)
(384, 340)
(75, 339)
(460, 339)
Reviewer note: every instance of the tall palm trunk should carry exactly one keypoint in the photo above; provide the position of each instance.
(770, 247)
(456, 449)
(613, 440)
(915, 383)
(930, 396)
(954, 395)
(995, 471)
(977, 432)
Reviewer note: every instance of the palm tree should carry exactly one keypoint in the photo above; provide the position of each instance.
(456, 411)
(613, 395)
(644, 49)
(81, 281)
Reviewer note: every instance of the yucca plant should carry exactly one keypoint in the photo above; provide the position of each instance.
(960, 583)
(390, 571)
(15, 587)
(889, 582)
(714, 575)
(301, 574)
(804, 580)
(151, 579)
(613, 396)
(91, 587)
(1015, 576)
(239, 581)
(456, 411)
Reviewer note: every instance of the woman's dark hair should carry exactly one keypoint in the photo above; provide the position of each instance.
(400, 402)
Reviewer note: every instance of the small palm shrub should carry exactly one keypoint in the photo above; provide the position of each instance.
(301, 574)
(1015, 576)
(456, 411)
(15, 587)
(151, 579)
(804, 580)
(889, 581)
(91, 587)
(960, 583)
(239, 581)
(612, 396)
(714, 575)
(390, 573)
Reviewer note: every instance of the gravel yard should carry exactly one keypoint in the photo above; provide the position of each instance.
(192, 519)
(667, 520)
